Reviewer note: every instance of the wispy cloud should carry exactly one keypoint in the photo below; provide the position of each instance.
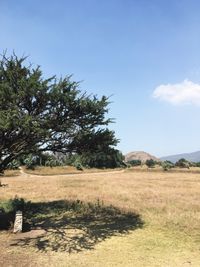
(185, 92)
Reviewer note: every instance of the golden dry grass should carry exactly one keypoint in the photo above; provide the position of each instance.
(169, 204)
(10, 173)
(51, 171)
(62, 170)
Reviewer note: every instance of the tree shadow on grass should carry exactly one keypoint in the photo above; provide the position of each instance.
(73, 226)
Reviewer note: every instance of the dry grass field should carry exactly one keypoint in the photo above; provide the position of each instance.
(163, 230)
(10, 173)
(62, 170)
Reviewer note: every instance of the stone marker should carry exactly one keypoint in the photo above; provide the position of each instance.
(18, 222)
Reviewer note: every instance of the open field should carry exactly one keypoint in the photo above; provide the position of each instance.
(63, 170)
(164, 232)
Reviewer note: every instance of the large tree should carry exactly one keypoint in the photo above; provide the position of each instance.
(38, 114)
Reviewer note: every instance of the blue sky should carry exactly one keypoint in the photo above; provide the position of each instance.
(146, 54)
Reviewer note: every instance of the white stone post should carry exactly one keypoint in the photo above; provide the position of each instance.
(18, 222)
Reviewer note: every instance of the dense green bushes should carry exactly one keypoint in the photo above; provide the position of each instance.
(167, 165)
(135, 162)
(111, 158)
(183, 163)
(150, 163)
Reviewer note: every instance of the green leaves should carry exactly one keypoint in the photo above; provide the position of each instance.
(38, 114)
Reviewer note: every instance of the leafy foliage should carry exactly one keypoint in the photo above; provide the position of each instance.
(38, 114)
(150, 163)
(166, 165)
(12, 205)
(135, 162)
(109, 158)
(13, 165)
(197, 164)
(183, 163)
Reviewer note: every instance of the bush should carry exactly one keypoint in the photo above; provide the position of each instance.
(12, 205)
(52, 163)
(41, 159)
(150, 163)
(197, 164)
(135, 162)
(30, 162)
(183, 163)
(8, 209)
(78, 166)
(192, 164)
(14, 165)
(111, 158)
(166, 165)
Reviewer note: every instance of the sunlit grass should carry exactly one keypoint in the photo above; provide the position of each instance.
(45, 170)
(168, 203)
(10, 173)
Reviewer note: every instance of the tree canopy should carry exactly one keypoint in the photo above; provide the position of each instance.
(38, 114)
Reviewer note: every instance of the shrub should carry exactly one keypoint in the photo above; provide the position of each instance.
(14, 165)
(166, 165)
(135, 162)
(150, 163)
(197, 164)
(182, 163)
(78, 166)
(111, 158)
(12, 205)
(30, 162)
(8, 209)
(52, 163)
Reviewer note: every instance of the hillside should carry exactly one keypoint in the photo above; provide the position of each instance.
(139, 155)
(194, 156)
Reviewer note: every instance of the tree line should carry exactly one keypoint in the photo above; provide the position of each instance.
(166, 165)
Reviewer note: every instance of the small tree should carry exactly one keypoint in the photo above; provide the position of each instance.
(135, 162)
(197, 164)
(30, 161)
(182, 163)
(167, 165)
(150, 163)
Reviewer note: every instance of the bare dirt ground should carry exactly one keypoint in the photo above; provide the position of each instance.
(167, 203)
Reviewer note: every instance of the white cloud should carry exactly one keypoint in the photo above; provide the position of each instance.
(185, 92)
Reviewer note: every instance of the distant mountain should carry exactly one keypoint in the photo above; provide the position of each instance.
(194, 156)
(139, 155)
